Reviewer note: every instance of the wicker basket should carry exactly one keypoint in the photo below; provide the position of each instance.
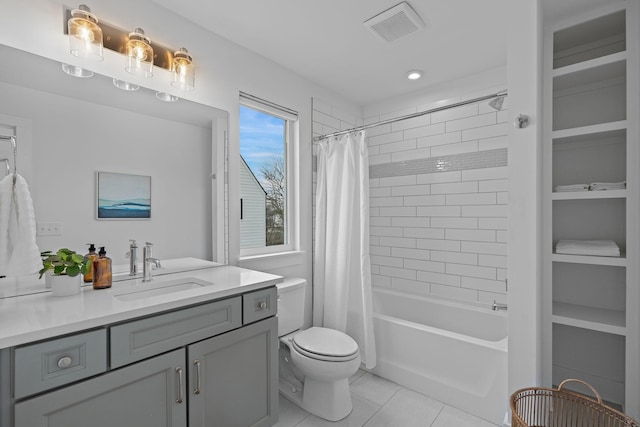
(547, 407)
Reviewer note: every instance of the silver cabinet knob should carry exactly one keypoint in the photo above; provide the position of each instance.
(262, 305)
(64, 362)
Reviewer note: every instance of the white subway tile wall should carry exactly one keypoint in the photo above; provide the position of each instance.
(438, 200)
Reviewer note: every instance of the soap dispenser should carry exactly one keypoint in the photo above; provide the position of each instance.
(91, 256)
(102, 270)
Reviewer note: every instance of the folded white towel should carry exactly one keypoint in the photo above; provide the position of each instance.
(19, 230)
(572, 187)
(598, 186)
(588, 247)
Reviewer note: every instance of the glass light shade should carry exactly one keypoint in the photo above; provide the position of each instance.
(75, 71)
(85, 36)
(139, 54)
(183, 71)
(124, 85)
(166, 97)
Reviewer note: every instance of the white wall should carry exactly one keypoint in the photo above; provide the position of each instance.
(222, 70)
(525, 171)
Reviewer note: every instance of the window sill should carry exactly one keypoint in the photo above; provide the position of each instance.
(274, 255)
(269, 262)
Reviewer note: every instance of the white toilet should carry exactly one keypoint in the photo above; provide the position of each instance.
(316, 363)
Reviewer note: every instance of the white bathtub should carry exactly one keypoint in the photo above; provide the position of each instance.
(452, 352)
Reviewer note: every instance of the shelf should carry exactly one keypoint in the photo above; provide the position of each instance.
(590, 64)
(620, 125)
(585, 78)
(587, 259)
(597, 319)
(599, 37)
(589, 195)
(590, 96)
(590, 328)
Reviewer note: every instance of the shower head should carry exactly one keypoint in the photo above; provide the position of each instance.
(496, 103)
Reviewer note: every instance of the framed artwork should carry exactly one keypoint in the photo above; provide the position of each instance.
(123, 196)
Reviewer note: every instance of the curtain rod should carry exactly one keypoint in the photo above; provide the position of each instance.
(411, 116)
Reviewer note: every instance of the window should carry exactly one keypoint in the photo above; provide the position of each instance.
(265, 196)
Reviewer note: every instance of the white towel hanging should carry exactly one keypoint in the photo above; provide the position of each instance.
(19, 253)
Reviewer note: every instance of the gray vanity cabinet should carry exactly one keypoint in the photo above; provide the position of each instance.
(146, 394)
(200, 366)
(233, 379)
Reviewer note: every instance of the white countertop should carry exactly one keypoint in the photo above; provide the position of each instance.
(38, 316)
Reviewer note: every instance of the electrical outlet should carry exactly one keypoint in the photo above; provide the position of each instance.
(49, 229)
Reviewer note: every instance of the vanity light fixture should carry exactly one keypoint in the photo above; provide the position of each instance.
(139, 54)
(414, 74)
(88, 37)
(183, 74)
(124, 85)
(85, 36)
(166, 97)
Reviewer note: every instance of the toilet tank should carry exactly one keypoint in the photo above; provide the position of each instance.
(291, 296)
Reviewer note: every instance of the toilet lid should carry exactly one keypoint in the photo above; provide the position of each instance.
(325, 344)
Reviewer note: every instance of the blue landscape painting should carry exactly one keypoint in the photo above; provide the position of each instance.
(123, 196)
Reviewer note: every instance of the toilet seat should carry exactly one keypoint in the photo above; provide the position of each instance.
(325, 344)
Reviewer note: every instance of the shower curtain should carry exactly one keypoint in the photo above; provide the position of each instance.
(342, 269)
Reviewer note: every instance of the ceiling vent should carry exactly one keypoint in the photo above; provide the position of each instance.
(395, 23)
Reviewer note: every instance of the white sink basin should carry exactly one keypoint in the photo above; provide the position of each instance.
(153, 289)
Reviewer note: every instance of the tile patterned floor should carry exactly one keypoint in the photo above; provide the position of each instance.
(381, 403)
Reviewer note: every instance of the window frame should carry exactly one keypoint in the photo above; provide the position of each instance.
(290, 118)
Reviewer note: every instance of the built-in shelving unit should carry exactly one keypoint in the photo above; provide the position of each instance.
(591, 303)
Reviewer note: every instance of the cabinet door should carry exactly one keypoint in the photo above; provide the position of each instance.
(233, 378)
(145, 394)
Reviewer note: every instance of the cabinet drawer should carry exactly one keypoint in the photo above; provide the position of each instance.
(259, 305)
(148, 337)
(53, 363)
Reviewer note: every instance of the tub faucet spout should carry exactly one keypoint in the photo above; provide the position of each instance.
(498, 306)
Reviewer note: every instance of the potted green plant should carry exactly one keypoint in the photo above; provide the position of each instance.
(67, 265)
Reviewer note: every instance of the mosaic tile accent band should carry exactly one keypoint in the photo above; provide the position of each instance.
(457, 162)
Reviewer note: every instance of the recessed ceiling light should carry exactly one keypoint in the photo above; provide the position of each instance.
(414, 74)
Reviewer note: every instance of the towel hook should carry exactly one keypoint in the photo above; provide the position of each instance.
(14, 148)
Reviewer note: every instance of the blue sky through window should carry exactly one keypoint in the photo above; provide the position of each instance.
(261, 138)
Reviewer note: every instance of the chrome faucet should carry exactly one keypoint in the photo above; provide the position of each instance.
(498, 306)
(148, 259)
(133, 258)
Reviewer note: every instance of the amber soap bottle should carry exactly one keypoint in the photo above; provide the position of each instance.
(101, 270)
(91, 256)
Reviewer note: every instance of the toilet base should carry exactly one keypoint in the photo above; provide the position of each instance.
(328, 400)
